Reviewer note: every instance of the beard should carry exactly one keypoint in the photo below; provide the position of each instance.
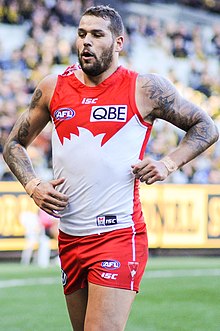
(98, 66)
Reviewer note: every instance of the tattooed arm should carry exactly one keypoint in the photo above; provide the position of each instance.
(158, 98)
(30, 123)
(26, 129)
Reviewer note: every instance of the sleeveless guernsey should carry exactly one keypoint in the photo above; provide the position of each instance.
(97, 135)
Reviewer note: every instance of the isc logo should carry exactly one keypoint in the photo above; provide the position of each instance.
(107, 275)
(64, 113)
(116, 113)
(87, 101)
(106, 220)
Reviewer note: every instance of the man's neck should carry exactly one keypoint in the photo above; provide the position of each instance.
(95, 80)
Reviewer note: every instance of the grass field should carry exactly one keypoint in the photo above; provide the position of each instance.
(177, 294)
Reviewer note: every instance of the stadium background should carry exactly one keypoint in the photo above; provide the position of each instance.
(180, 39)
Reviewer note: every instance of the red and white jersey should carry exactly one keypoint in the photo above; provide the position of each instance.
(97, 135)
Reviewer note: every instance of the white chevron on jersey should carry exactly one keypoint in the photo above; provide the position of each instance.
(98, 178)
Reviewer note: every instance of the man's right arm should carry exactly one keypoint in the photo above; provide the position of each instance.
(26, 129)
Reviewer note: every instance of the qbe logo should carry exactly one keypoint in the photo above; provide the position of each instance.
(115, 113)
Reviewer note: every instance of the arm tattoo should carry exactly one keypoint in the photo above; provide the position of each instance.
(171, 107)
(199, 136)
(23, 131)
(160, 92)
(36, 97)
(15, 153)
(19, 163)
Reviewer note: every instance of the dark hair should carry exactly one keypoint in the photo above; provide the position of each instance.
(106, 12)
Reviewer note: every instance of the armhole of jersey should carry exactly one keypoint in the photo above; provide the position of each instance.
(54, 93)
(133, 102)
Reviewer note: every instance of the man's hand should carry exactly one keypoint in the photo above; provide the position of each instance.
(47, 198)
(150, 171)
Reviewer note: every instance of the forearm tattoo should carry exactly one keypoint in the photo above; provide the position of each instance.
(15, 153)
(19, 163)
(171, 107)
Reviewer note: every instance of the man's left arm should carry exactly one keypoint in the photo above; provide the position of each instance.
(169, 105)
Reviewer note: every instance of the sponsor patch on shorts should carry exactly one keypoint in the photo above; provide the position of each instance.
(110, 264)
(106, 220)
(133, 267)
(63, 277)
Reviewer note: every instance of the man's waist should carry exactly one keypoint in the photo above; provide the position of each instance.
(94, 225)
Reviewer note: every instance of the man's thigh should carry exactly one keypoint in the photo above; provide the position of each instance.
(76, 304)
(107, 308)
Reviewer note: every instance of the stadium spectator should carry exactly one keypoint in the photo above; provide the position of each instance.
(48, 230)
(178, 47)
(11, 13)
(30, 222)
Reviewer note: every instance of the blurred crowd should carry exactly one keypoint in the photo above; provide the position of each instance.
(188, 54)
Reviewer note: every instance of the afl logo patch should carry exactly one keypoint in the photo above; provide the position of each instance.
(64, 113)
(111, 264)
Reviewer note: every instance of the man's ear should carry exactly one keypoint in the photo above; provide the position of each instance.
(119, 41)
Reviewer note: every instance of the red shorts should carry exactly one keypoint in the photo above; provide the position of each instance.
(116, 259)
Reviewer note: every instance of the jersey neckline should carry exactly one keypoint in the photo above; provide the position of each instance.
(108, 81)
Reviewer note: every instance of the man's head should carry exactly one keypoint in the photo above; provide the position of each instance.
(107, 13)
(100, 39)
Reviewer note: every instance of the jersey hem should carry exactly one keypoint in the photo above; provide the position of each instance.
(94, 232)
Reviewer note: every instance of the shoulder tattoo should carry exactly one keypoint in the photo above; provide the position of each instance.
(35, 99)
(160, 91)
